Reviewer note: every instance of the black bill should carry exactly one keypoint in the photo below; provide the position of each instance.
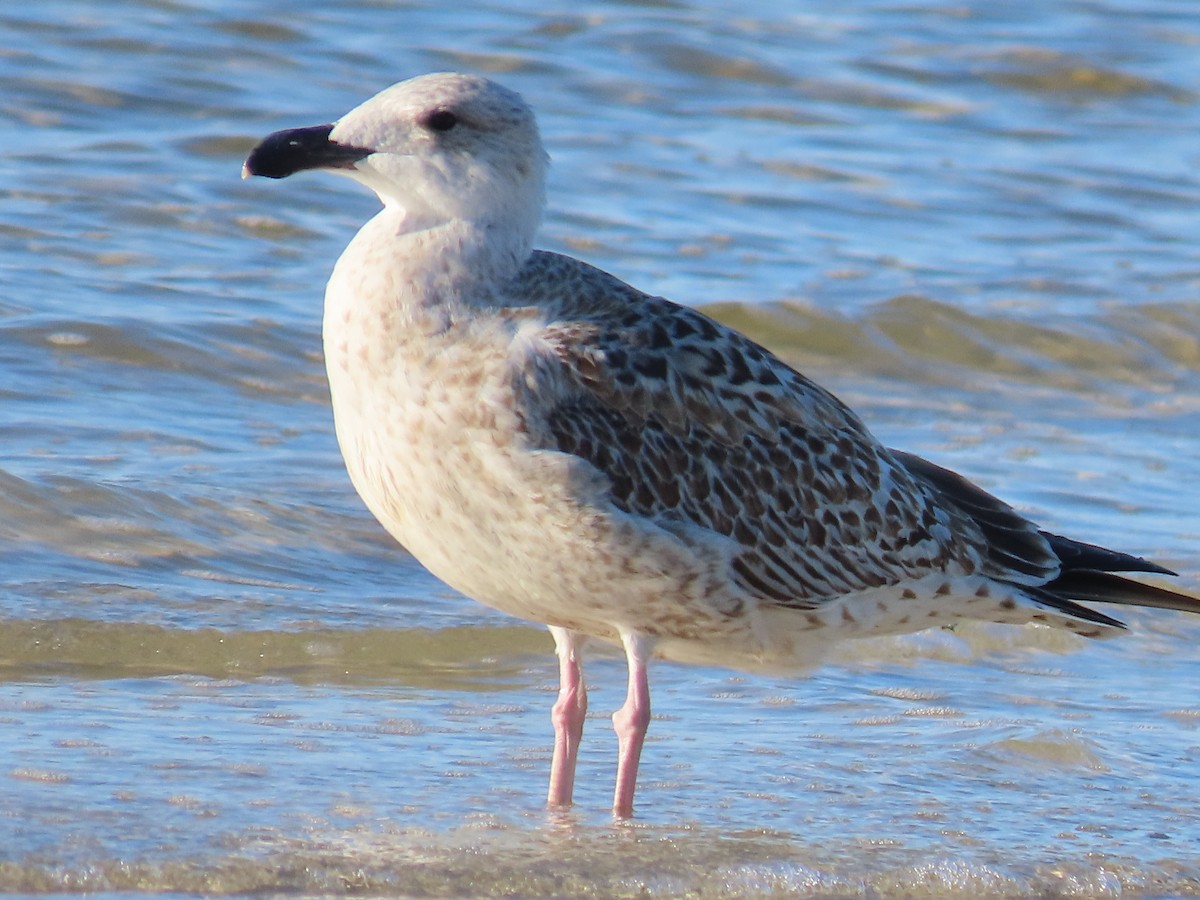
(281, 154)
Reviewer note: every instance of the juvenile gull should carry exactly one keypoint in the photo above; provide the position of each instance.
(558, 445)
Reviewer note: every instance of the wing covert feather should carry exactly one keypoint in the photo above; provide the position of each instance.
(695, 424)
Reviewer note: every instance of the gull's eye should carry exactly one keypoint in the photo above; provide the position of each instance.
(440, 120)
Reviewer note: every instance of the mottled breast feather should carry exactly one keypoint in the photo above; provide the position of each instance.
(696, 425)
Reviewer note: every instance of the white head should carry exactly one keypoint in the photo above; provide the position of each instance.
(443, 148)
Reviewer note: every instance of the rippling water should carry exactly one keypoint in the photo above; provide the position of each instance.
(977, 223)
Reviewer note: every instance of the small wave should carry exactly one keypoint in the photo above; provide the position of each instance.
(925, 341)
(457, 658)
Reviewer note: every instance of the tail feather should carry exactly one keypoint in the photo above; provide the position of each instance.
(1087, 575)
(1064, 604)
(1049, 569)
(1104, 587)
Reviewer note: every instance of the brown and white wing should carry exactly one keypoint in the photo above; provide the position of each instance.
(694, 424)
(1016, 550)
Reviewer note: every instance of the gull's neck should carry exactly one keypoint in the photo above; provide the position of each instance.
(402, 270)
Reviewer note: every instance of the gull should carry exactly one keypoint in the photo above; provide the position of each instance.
(558, 445)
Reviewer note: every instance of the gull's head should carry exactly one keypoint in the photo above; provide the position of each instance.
(443, 147)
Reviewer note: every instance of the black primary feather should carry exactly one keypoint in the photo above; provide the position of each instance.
(1075, 570)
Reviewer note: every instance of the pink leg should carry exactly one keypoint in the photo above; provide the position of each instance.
(567, 715)
(631, 722)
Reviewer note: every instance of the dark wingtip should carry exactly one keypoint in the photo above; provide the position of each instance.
(1078, 555)
(292, 150)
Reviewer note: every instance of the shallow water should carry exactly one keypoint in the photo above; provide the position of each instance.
(977, 223)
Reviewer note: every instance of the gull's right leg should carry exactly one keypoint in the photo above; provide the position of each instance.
(631, 721)
(567, 715)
